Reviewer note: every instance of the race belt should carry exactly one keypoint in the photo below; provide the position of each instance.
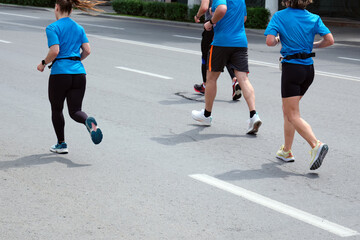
(70, 58)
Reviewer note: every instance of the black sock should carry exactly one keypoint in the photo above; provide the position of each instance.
(252, 113)
(207, 114)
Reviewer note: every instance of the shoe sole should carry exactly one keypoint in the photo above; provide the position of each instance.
(237, 93)
(202, 122)
(319, 159)
(96, 135)
(255, 128)
(285, 159)
(199, 91)
(63, 151)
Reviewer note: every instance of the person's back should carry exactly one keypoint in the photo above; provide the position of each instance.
(70, 36)
(297, 29)
(230, 31)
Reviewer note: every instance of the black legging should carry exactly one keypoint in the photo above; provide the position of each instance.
(72, 88)
(207, 38)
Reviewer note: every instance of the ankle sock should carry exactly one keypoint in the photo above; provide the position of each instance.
(207, 114)
(252, 113)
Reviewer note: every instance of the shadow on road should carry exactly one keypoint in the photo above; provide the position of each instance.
(193, 136)
(268, 170)
(39, 159)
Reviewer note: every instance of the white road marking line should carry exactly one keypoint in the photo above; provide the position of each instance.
(321, 73)
(352, 59)
(19, 15)
(145, 73)
(174, 49)
(277, 206)
(157, 46)
(180, 36)
(23, 25)
(3, 41)
(101, 26)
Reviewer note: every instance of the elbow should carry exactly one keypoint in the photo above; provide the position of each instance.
(268, 43)
(203, 9)
(331, 41)
(87, 52)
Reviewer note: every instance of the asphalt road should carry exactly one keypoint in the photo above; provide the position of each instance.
(158, 174)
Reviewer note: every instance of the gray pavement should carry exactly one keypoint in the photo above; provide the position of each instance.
(139, 182)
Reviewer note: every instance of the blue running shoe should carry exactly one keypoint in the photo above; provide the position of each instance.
(95, 132)
(59, 148)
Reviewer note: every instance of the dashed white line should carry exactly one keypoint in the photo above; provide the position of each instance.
(145, 73)
(351, 59)
(19, 15)
(3, 41)
(277, 206)
(188, 37)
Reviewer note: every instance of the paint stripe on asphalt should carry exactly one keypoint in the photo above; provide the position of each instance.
(188, 37)
(145, 73)
(23, 25)
(19, 15)
(3, 41)
(100, 26)
(351, 59)
(277, 206)
(157, 46)
(321, 73)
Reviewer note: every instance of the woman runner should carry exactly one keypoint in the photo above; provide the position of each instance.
(68, 77)
(297, 28)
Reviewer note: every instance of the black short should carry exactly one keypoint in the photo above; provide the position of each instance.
(218, 57)
(296, 79)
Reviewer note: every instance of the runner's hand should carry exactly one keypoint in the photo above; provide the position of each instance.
(40, 67)
(208, 26)
(197, 20)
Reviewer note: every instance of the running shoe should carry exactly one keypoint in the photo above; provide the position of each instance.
(236, 91)
(285, 156)
(200, 117)
(199, 88)
(254, 124)
(95, 132)
(59, 148)
(318, 154)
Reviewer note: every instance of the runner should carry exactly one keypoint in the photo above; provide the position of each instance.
(68, 77)
(297, 28)
(207, 37)
(228, 47)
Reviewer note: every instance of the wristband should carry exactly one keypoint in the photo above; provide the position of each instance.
(43, 62)
(211, 22)
(197, 16)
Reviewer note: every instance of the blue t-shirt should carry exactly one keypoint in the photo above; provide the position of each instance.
(230, 30)
(69, 36)
(297, 29)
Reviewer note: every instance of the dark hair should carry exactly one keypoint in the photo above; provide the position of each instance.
(301, 4)
(83, 5)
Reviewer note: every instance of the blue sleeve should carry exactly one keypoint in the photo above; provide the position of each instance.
(272, 28)
(216, 3)
(321, 28)
(52, 37)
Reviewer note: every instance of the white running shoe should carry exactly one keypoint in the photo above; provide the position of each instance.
(200, 117)
(254, 124)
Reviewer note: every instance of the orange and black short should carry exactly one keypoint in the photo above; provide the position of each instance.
(219, 57)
